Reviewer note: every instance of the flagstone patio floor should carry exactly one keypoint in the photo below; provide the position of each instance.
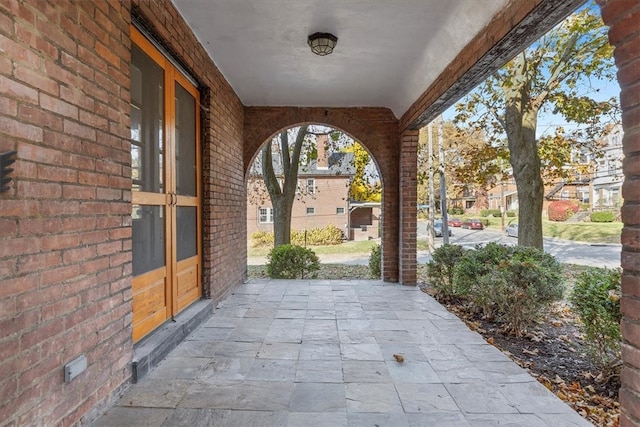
(321, 353)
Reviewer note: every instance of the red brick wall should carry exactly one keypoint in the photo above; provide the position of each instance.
(331, 192)
(65, 258)
(408, 207)
(65, 225)
(623, 16)
(375, 128)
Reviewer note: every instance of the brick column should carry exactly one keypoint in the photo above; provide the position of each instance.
(622, 17)
(408, 207)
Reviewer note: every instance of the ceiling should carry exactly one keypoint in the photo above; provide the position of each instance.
(388, 51)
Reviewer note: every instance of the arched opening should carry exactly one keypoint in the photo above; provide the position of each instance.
(336, 192)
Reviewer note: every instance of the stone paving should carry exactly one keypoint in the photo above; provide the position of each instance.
(321, 353)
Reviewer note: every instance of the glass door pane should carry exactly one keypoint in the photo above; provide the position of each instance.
(148, 238)
(147, 121)
(185, 142)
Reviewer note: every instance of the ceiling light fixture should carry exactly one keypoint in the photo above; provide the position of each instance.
(322, 43)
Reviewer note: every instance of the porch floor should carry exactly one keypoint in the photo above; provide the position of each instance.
(321, 353)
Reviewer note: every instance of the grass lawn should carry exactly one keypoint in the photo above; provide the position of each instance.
(362, 247)
(591, 232)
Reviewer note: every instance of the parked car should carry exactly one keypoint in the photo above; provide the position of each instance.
(511, 230)
(455, 222)
(473, 224)
(437, 228)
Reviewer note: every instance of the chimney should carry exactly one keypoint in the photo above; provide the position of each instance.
(323, 158)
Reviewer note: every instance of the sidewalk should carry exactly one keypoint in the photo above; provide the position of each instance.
(323, 353)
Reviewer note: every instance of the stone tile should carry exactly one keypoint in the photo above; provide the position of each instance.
(567, 419)
(533, 398)
(197, 417)
(221, 394)
(272, 370)
(256, 419)
(361, 352)
(155, 393)
(426, 398)
(291, 314)
(180, 368)
(320, 351)
(372, 397)
(133, 417)
(409, 372)
(237, 349)
(320, 331)
(444, 352)
(356, 336)
(362, 371)
(353, 324)
(458, 371)
(410, 352)
(440, 419)
(504, 372)
(318, 419)
(481, 398)
(483, 353)
(396, 337)
(264, 396)
(210, 334)
(363, 419)
(261, 313)
(515, 420)
(279, 350)
(387, 325)
(318, 397)
(197, 349)
(319, 371)
(285, 330)
(321, 314)
(227, 368)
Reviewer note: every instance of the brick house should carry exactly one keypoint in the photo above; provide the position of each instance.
(322, 198)
(125, 218)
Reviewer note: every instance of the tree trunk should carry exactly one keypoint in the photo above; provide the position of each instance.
(281, 221)
(525, 161)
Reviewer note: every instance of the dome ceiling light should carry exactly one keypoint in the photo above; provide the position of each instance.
(322, 43)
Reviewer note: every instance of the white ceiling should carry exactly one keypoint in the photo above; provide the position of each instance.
(388, 51)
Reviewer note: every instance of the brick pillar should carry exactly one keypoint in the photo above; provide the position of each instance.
(390, 230)
(408, 207)
(622, 17)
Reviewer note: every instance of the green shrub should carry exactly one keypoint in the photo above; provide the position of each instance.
(440, 269)
(455, 211)
(511, 284)
(596, 299)
(603, 216)
(375, 261)
(562, 210)
(511, 214)
(292, 262)
(329, 235)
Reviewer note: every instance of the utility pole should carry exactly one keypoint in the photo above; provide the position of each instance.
(443, 187)
(432, 199)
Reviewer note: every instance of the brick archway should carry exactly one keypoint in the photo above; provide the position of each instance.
(374, 128)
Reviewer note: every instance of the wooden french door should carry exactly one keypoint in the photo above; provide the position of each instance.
(165, 172)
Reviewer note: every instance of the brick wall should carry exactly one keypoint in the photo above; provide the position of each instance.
(408, 207)
(331, 192)
(375, 128)
(65, 256)
(65, 224)
(622, 16)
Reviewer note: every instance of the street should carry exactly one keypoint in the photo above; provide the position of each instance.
(565, 251)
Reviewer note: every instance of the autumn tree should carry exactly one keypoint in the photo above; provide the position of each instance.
(364, 185)
(555, 75)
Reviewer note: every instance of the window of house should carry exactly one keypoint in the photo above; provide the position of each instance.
(311, 211)
(339, 211)
(311, 185)
(265, 215)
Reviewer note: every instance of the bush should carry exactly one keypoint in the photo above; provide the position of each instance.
(329, 235)
(511, 214)
(441, 269)
(596, 299)
(292, 262)
(493, 212)
(375, 260)
(455, 211)
(511, 284)
(604, 216)
(562, 210)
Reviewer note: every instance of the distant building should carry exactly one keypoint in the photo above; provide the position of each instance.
(607, 176)
(322, 199)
